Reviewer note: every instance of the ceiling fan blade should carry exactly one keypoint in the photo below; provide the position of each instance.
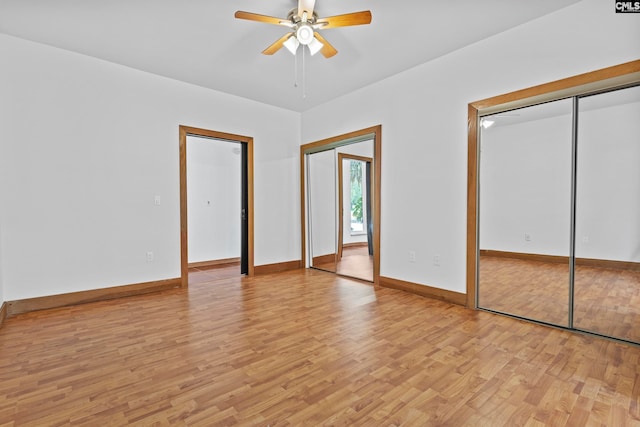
(262, 18)
(346, 20)
(327, 50)
(277, 45)
(306, 6)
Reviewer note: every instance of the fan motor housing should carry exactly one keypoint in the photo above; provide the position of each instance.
(293, 17)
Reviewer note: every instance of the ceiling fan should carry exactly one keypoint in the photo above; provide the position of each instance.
(304, 23)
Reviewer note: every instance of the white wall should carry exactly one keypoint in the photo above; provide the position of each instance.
(525, 184)
(88, 144)
(608, 186)
(214, 199)
(525, 176)
(423, 113)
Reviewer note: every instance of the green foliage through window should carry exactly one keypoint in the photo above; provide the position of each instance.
(356, 174)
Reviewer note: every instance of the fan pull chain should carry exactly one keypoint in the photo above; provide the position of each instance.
(304, 75)
(295, 70)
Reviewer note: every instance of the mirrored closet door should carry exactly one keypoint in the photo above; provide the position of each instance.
(524, 218)
(607, 272)
(321, 182)
(559, 213)
(339, 191)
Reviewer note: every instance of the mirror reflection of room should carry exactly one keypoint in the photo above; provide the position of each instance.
(340, 199)
(607, 250)
(525, 189)
(321, 193)
(559, 209)
(355, 228)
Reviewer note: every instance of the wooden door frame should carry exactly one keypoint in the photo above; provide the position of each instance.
(610, 78)
(341, 157)
(185, 131)
(337, 141)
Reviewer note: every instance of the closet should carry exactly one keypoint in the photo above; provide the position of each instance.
(558, 212)
(340, 195)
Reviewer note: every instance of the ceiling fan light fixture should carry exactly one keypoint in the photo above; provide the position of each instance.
(486, 123)
(292, 44)
(302, 22)
(304, 34)
(315, 46)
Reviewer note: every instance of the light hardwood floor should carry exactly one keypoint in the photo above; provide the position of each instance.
(607, 300)
(213, 273)
(355, 262)
(305, 348)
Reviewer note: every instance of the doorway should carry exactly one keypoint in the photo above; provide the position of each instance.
(324, 191)
(232, 226)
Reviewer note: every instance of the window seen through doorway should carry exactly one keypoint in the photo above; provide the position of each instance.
(358, 192)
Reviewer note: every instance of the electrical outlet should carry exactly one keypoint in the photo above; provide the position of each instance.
(156, 200)
(527, 237)
(149, 256)
(412, 256)
(585, 239)
(436, 260)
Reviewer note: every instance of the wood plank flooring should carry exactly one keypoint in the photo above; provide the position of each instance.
(607, 301)
(214, 272)
(533, 289)
(355, 262)
(305, 348)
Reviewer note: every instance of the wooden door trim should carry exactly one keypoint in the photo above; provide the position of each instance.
(337, 141)
(341, 157)
(609, 78)
(184, 131)
(3, 312)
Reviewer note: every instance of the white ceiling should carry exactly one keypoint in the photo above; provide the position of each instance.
(200, 41)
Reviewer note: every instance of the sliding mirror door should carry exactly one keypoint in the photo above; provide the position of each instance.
(607, 273)
(321, 193)
(355, 197)
(525, 212)
(341, 204)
